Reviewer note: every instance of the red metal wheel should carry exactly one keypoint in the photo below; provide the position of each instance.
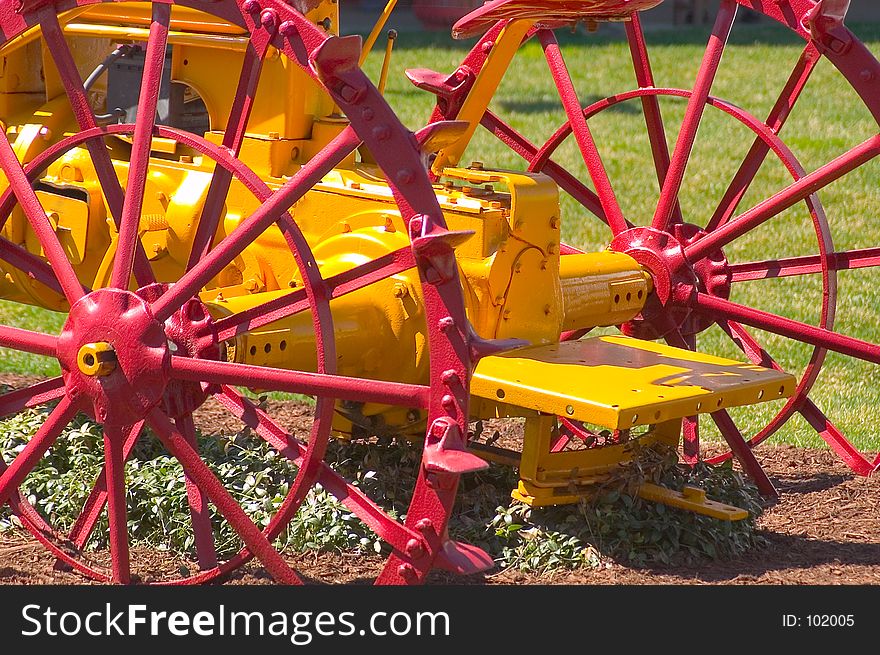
(692, 258)
(151, 356)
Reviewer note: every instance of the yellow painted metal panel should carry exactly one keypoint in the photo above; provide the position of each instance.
(619, 382)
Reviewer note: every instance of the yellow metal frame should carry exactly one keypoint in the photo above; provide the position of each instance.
(484, 88)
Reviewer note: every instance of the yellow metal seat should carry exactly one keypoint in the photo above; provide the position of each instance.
(615, 382)
(619, 382)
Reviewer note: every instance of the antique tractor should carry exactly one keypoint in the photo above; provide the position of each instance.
(220, 200)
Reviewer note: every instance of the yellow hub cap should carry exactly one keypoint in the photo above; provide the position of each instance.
(96, 358)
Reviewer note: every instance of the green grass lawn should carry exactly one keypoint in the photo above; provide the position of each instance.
(827, 121)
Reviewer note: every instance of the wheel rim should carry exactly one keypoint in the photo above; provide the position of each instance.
(158, 314)
(826, 37)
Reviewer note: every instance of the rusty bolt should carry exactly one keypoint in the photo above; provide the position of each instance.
(407, 572)
(415, 226)
(446, 323)
(348, 93)
(382, 132)
(414, 548)
(269, 19)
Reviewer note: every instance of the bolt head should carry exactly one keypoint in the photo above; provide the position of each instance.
(269, 19)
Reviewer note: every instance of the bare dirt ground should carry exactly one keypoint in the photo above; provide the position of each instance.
(824, 530)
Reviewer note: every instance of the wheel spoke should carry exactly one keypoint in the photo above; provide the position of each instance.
(847, 260)
(690, 425)
(776, 120)
(27, 341)
(743, 453)
(31, 396)
(806, 407)
(297, 301)
(834, 438)
(85, 118)
(694, 114)
(582, 134)
(25, 461)
(650, 105)
(36, 216)
(528, 151)
(786, 327)
(194, 466)
(232, 139)
(91, 512)
(198, 503)
(255, 224)
(114, 466)
(29, 263)
(389, 530)
(788, 197)
(312, 384)
(142, 142)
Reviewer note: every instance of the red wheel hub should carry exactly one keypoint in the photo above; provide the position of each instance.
(190, 333)
(673, 277)
(139, 351)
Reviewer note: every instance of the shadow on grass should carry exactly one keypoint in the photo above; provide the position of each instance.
(544, 105)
